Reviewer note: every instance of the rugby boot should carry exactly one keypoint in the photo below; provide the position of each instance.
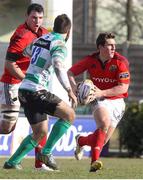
(96, 165)
(79, 151)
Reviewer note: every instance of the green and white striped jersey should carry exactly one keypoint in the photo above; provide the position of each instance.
(47, 55)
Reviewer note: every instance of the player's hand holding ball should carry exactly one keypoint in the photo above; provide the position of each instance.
(86, 92)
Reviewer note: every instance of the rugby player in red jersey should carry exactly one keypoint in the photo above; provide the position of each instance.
(110, 74)
(16, 65)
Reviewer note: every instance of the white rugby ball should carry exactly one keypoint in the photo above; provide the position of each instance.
(85, 92)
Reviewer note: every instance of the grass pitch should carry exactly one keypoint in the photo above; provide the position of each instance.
(114, 168)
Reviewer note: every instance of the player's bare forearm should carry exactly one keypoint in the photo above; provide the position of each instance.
(72, 81)
(117, 90)
(14, 70)
(72, 98)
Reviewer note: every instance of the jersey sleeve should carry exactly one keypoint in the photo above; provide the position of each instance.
(124, 73)
(80, 66)
(16, 46)
(58, 53)
(58, 50)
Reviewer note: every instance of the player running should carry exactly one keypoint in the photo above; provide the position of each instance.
(109, 72)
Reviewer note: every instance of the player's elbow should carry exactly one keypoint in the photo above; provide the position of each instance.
(124, 88)
(9, 64)
(70, 74)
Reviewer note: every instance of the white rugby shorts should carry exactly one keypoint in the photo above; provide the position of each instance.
(116, 109)
(9, 94)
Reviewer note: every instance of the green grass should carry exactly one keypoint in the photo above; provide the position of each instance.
(114, 168)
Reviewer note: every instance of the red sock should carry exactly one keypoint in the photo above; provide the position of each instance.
(98, 144)
(95, 141)
(38, 163)
(86, 140)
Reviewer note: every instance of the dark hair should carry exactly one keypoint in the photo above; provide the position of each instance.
(102, 37)
(35, 7)
(62, 24)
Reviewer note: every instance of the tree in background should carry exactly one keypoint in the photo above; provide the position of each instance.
(129, 19)
(84, 21)
(123, 17)
(11, 14)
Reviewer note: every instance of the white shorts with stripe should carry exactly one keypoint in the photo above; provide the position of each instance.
(9, 101)
(9, 94)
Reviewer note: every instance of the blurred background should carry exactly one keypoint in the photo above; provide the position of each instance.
(90, 17)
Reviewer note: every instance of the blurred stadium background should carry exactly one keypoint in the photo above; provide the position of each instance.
(89, 18)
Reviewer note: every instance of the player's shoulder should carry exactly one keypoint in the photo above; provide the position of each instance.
(94, 56)
(57, 39)
(57, 36)
(120, 58)
(90, 58)
(21, 31)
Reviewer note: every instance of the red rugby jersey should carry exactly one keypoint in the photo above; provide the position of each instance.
(21, 38)
(107, 75)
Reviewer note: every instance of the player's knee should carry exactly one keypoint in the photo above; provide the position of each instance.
(8, 130)
(8, 120)
(105, 122)
(6, 127)
(10, 117)
(103, 125)
(39, 135)
(43, 133)
(71, 115)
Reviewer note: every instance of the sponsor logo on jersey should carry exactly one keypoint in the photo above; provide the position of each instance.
(104, 80)
(124, 75)
(43, 43)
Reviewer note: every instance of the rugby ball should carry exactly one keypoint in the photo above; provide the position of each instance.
(85, 92)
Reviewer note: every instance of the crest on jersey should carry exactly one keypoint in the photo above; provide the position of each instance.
(93, 65)
(113, 68)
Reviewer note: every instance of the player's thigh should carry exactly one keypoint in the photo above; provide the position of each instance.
(117, 109)
(9, 113)
(39, 129)
(10, 104)
(9, 94)
(64, 111)
(8, 118)
(33, 115)
(37, 105)
(52, 105)
(44, 102)
(101, 116)
(112, 110)
(55, 106)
